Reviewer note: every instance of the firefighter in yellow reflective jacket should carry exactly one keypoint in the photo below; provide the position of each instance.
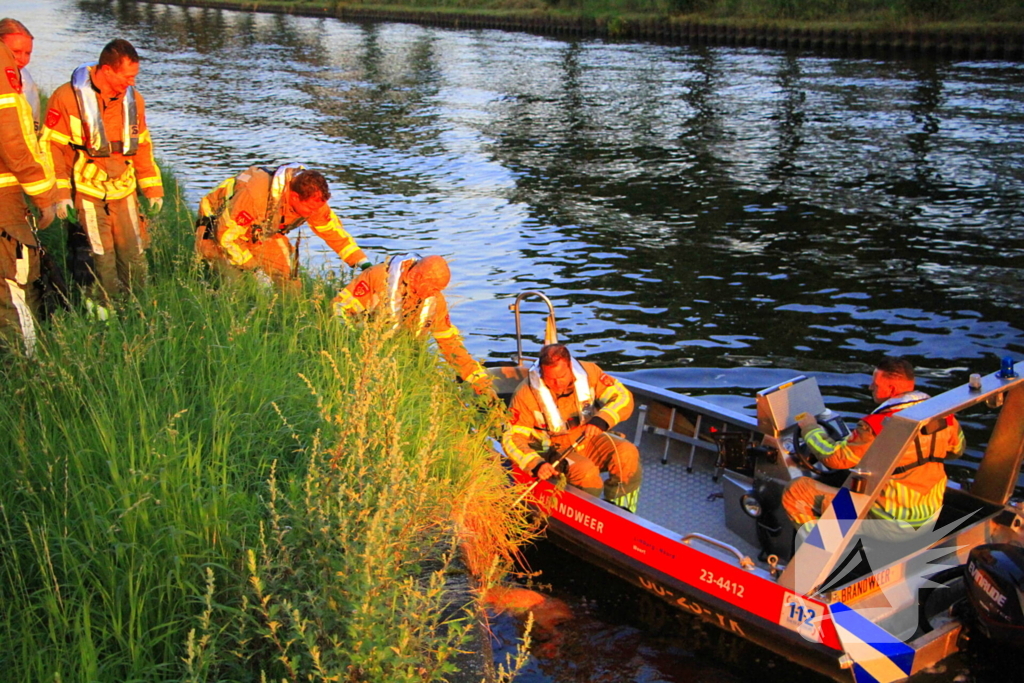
(560, 400)
(244, 221)
(23, 171)
(912, 498)
(96, 138)
(408, 288)
(19, 39)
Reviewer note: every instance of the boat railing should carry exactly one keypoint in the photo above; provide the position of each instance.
(744, 560)
(514, 307)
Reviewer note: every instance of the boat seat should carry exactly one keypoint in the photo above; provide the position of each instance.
(961, 509)
(663, 420)
(506, 378)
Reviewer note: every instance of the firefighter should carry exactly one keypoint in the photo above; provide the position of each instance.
(408, 288)
(96, 137)
(23, 171)
(561, 400)
(912, 498)
(19, 39)
(244, 222)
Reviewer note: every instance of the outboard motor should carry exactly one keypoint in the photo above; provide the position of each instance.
(995, 588)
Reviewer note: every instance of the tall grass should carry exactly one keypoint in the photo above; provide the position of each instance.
(224, 483)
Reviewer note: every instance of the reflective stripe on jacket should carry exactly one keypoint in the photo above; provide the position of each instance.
(913, 495)
(581, 390)
(22, 162)
(529, 433)
(380, 287)
(94, 133)
(81, 121)
(250, 207)
(397, 303)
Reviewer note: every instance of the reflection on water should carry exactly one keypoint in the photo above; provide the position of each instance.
(749, 211)
(685, 206)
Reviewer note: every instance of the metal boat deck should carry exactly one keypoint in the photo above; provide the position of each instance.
(685, 502)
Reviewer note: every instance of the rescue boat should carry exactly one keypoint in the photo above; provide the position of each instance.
(710, 538)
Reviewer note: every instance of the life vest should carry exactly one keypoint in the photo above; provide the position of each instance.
(581, 389)
(31, 92)
(94, 135)
(280, 179)
(279, 182)
(397, 266)
(876, 421)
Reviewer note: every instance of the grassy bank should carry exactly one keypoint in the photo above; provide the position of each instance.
(946, 29)
(933, 15)
(223, 483)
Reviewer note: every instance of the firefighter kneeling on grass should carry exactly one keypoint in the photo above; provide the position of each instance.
(559, 401)
(244, 222)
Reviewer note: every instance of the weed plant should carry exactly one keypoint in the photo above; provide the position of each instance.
(226, 483)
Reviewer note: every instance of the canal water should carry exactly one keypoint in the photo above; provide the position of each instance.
(708, 219)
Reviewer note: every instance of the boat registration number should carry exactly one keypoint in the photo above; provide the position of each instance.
(722, 583)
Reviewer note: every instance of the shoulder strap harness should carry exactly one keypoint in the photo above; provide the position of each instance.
(397, 266)
(281, 177)
(880, 414)
(94, 135)
(584, 397)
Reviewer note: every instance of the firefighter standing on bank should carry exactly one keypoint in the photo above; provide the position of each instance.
(408, 288)
(560, 400)
(19, 39)
(23, 171)
(96, 137)
(912, 498)
(243, 223)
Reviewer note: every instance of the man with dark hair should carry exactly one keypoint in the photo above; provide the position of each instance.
(912, 497)
(409, 290)
(96, 137)
(244, 222)
(23, 171)
(562, 400)
(116, 51)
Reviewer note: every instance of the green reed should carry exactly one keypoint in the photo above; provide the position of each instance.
(226, 483)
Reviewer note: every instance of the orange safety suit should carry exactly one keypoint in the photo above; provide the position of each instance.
(23, 171)
(913, 495)
(244, 222)
(102, 153)
(381, 288)
(543, 426)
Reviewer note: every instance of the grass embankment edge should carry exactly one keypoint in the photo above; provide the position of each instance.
(224, 483)
(878, 32)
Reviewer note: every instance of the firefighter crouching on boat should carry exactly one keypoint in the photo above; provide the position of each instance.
(912, 498)
(244, 222)
(561, 399)
(23, 171)
(96, 138)
(408, 288)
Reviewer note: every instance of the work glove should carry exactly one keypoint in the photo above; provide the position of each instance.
(806, 422)
(63, 207)
(365, 264)
(47, 215)
(155, 205)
